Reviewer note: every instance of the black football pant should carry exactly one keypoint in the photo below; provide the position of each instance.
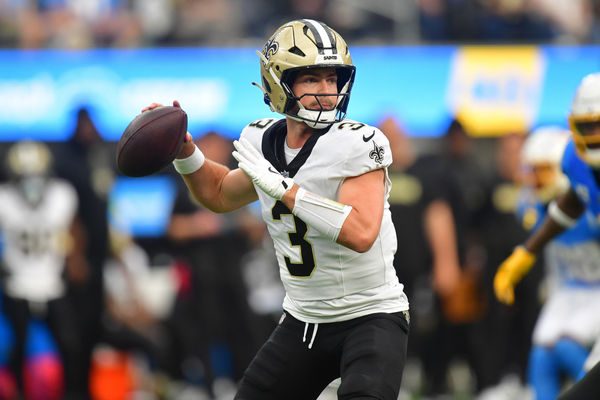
(367, 352)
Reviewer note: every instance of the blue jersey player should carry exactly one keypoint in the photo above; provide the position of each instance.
(581, 165)
(568, 323)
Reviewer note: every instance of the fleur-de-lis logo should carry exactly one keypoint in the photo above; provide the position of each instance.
(271, 47)
(377, 153)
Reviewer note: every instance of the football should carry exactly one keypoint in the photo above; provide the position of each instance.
(151, 141)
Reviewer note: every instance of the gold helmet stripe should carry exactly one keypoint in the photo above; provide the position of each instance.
(323, 37)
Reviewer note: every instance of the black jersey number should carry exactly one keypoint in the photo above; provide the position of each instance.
(307, 266)
(354, 126)
(262, 123)
(34, 243)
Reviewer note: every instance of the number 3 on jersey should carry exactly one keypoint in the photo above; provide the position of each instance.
(307, 266)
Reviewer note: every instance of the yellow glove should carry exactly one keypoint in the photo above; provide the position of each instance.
(510, 272)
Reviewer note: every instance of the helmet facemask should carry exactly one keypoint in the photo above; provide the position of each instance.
(584, 120)
(297, 46)
(317, 118)
(586, 136)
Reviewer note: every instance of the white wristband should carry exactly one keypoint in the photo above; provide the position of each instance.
(190, 164)
(559, 216)
(325, 215)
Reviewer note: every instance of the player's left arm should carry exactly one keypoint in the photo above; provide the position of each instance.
(365, 194)
(562, 215)
(354, 220)
(363, 198)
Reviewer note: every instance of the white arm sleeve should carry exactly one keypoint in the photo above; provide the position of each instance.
(559, 216)
(325, 215)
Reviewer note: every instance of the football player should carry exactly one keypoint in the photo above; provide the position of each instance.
(581, 165)
(36, 218)
(567, 324)
(322, 184)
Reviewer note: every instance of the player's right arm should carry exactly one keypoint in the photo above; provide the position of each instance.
(215, 186)
(569, 208)
(562, 214)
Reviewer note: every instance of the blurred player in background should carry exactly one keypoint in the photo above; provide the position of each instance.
(568, 323)
(42, 367)
(581, 165)
(322, 184)
(37, 219)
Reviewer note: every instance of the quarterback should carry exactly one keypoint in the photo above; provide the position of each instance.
(322, 184)
(581, 165)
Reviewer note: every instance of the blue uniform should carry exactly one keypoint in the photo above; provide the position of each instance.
(568, 323)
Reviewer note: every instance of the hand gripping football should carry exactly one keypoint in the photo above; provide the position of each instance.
(151, 141)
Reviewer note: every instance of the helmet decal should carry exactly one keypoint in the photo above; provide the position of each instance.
(323, 38)
(271, 48)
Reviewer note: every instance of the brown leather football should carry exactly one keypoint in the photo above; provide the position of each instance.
(151, 141)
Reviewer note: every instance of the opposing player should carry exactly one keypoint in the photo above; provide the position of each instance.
(567, 325)
(322, 184)
(581, 165)
(36, 220)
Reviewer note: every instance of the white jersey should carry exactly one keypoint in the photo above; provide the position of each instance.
(325, 281)
(35, 240)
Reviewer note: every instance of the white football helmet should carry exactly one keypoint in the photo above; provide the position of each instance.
(299, 45)
(541, 155)
(585, 112)
(29, 165)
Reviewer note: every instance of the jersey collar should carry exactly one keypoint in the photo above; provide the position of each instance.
(273, 148)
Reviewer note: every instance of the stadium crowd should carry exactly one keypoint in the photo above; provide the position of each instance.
(181, 315)
(139, 23)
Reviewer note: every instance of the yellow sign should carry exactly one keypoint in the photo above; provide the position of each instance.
(496, 90)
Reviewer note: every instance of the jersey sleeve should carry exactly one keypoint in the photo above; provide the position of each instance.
(70, 201)
(571, 166)
(369, 150)
(567, 159)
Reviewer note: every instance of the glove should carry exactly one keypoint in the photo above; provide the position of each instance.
(261, 171)
(510, 272)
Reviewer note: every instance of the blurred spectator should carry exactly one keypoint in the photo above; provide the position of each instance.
(39, 223)
(506, 21)
(217, 330)
(86, 161)
(506, 331)
(427, 257)
(134, 23)
(139, 299)
(438, 200)
(461, 184)
(208, 22)
(572, 20)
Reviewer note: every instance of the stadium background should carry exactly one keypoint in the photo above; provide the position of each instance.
(499, 67)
